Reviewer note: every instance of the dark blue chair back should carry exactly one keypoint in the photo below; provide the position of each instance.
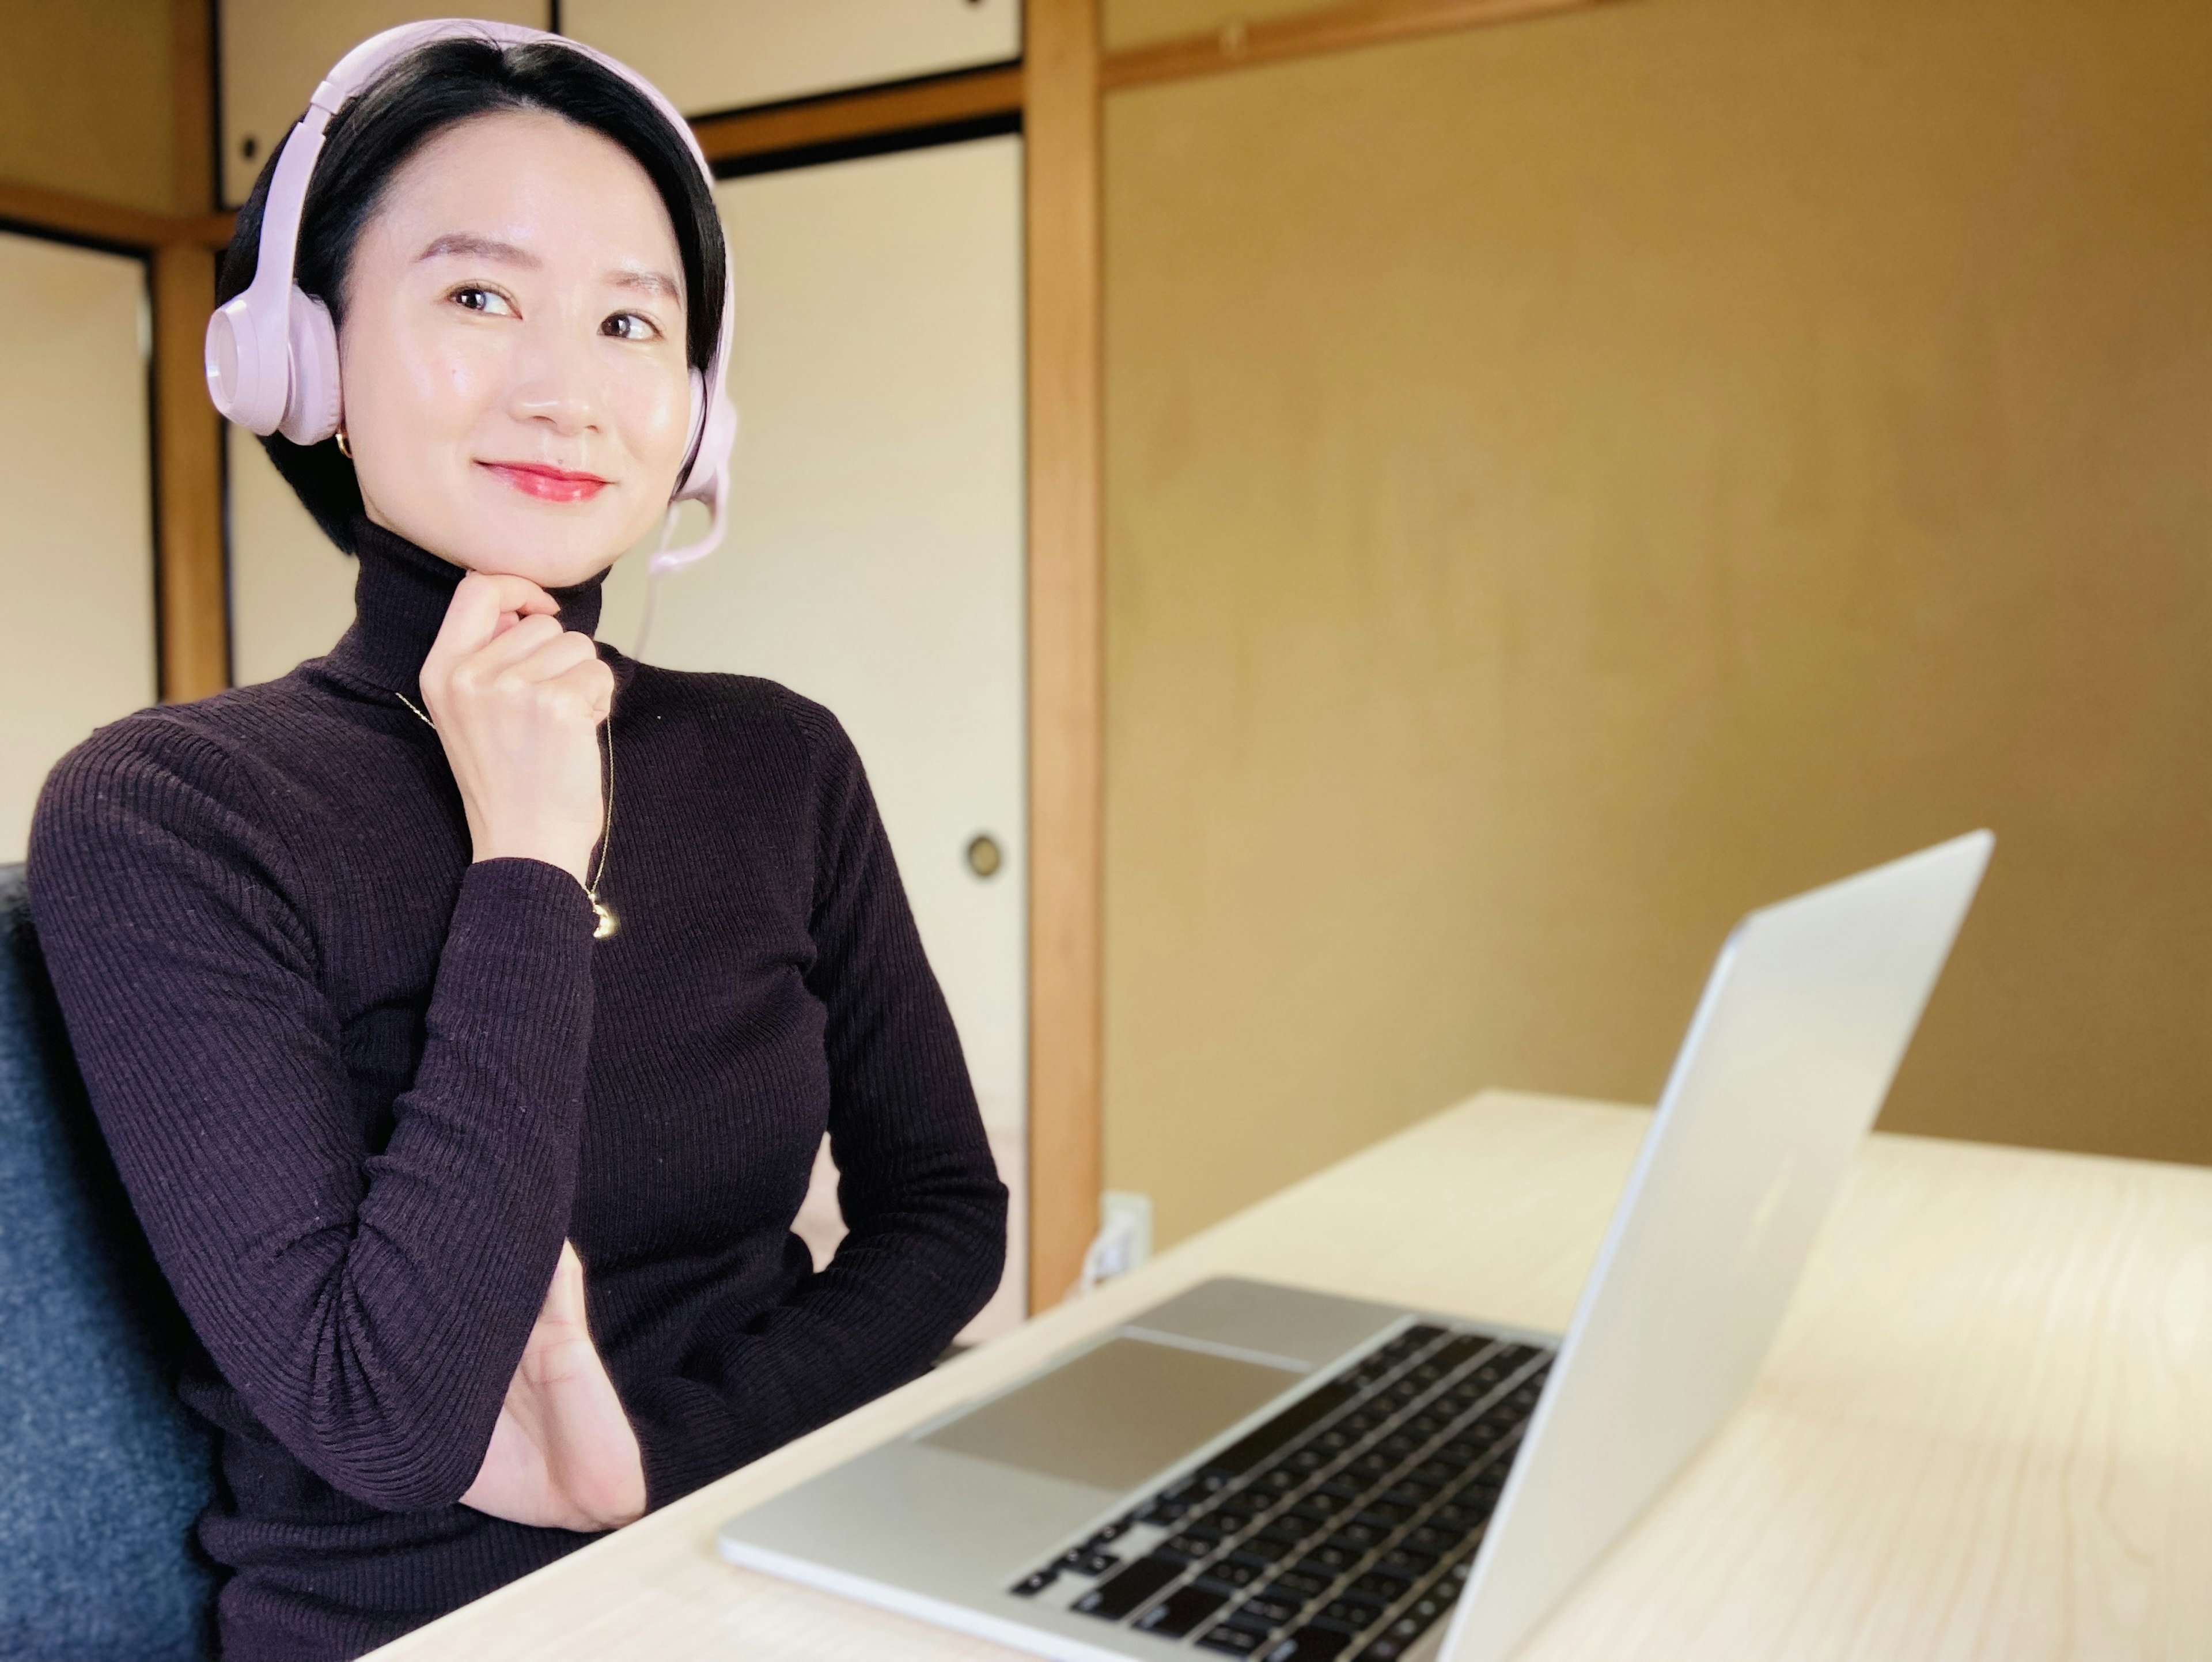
(102, 1469)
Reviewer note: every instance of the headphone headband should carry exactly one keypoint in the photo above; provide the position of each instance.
(272, 358)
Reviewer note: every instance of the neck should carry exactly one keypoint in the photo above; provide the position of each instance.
(399, 602)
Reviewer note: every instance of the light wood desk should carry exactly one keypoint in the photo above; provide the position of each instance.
(1986, 1431)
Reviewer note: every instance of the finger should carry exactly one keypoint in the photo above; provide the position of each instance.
(591, 682)
(529, 635)
(564, 1300)
(473, 615)
(550, 658)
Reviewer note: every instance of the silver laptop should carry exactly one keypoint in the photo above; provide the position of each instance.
(1257, 1470)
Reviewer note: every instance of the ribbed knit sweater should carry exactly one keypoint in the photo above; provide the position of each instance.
(361, 1089)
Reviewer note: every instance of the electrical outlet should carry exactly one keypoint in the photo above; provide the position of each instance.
(1124, 1238)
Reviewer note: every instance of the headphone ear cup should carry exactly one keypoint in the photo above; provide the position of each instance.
(315, 405)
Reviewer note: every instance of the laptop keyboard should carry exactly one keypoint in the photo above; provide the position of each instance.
(1343, 1528)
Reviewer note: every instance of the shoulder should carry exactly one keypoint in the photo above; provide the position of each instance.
(190, 771)
(210, 743)
(747, 713)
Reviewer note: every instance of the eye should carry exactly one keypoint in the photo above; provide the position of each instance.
(476, 297)
(629, 325)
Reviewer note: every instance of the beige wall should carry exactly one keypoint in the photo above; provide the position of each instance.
(76, 543)
(1572, 481)
(86, 99)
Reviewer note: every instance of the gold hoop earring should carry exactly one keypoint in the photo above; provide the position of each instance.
(344, 450)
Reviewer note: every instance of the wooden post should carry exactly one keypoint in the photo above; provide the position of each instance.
(187, 433)
(188, 475)
(1067, 737)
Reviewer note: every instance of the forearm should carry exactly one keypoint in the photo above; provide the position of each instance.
(369, 1307)
(417, 1316)
(904, 1282)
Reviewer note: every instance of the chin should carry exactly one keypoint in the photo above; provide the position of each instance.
(555, 548)
(553, 545)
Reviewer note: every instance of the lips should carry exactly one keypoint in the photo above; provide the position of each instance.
(550, 485)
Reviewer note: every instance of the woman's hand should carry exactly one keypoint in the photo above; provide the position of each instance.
(518, 701)
(562, 1455)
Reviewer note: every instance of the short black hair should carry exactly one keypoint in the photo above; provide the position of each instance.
(419, 96)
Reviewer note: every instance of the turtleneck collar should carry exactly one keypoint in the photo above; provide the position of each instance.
(399, 601)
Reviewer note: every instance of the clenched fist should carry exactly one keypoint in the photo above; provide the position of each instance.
(518, 701)
(562, 1455)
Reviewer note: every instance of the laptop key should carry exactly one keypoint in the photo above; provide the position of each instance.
(1462, 1350)
(1415, 1619)
(1232, 1641)
(1273, 1607)
(1180, 1611)
(1230, 1574)
(1311, 1644)
(1401, 1634)
(1331, 1559)
(1085, 1562)
(1115, 1597)
(1405, 1558)
(1459, 1518)
(1300, 1416)
(1353, 1611)
(1381, 1587)
(1301, 1582)
(1030, 1586)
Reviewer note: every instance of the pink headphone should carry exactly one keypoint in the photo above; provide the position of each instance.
(272, 353)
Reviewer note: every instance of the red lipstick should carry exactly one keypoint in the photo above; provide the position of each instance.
(551, 484)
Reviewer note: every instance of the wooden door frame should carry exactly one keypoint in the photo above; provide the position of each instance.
(1061, 231)
(1055, 96)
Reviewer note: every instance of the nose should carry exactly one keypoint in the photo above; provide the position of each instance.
(556, 383)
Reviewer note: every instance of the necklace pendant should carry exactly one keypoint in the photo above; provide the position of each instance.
(607, 923)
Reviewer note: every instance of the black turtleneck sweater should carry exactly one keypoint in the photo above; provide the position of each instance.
(361, 1089)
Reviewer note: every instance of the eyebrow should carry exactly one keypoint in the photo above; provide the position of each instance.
(461, 242)
(656, 282)
(482, 247)
(466, 245)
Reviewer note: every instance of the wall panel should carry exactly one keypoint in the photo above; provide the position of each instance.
(1126, 23)
(86, 100)
(714, 55)
(272, 54)
(291, 590)
(76, 541)
(1572, 481)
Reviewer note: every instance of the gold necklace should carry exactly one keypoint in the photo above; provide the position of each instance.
(607, 924)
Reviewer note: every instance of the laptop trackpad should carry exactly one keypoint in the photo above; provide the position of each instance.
(1113, 1415)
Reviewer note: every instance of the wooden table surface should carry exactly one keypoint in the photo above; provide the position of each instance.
(1985, 1432)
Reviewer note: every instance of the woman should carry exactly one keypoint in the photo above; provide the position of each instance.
(464, 1009)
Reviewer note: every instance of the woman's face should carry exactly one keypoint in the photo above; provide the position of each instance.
(517, 396)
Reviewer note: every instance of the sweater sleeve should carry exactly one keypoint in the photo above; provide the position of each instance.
(925, 1212)
(370, 1303)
